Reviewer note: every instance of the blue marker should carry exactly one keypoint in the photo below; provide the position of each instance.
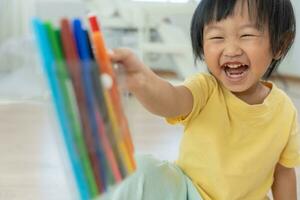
(49, 64)
(86, 67)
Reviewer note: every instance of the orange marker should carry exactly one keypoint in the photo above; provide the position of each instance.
(106, 67)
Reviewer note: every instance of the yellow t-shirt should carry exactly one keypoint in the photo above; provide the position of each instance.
(230, 148)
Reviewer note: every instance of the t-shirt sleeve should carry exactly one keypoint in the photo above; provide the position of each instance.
(290, 156)
(201, 86)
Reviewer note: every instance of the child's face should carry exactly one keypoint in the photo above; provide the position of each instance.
(237, 53)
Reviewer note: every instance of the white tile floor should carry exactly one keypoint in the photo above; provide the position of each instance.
(30, 164)
(30, 160)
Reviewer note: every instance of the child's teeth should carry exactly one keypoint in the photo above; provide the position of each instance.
(234, 66)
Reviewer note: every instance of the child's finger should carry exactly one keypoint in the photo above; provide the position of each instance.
(119, 54)
(110, 52)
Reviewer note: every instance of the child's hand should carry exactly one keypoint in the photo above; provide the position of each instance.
(133, 70)
(156, 94)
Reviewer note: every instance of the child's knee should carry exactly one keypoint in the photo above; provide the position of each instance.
(158, 170)
(162, 178)
(164, 173)
(146, 162)
(153, 179)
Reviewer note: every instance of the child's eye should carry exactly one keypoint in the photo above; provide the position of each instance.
(216, 38)
(247, 35)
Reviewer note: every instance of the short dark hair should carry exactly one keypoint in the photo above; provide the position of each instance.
(277, 14)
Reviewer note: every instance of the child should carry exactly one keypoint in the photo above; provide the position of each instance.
(240, 132)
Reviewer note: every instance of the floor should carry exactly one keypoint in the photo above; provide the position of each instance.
(32, 160)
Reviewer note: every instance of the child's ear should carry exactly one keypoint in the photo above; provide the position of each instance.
(278, 55)
(284, 45)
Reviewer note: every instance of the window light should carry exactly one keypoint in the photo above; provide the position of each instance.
(164, 1)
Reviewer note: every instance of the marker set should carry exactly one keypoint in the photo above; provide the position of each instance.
(93, 124)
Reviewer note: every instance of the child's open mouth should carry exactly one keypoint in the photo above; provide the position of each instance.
(235, 71)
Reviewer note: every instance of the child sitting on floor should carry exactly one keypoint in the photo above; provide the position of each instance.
(240, 132)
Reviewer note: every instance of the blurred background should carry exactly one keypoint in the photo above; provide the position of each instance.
(32, 164)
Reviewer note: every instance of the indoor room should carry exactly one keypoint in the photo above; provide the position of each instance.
(113, 82)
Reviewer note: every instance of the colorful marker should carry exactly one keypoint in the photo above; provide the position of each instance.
(48, 63)
(105, 67)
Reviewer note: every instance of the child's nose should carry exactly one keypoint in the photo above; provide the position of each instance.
(232, 50)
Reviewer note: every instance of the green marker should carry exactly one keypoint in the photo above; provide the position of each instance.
(71, 106)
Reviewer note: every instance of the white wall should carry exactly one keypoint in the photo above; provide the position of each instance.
(291, 65)
(16, 15)
(14, 18)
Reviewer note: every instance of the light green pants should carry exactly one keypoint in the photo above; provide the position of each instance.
(154, 180)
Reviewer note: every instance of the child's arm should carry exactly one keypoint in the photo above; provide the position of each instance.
(156, 94)
(284, 186)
